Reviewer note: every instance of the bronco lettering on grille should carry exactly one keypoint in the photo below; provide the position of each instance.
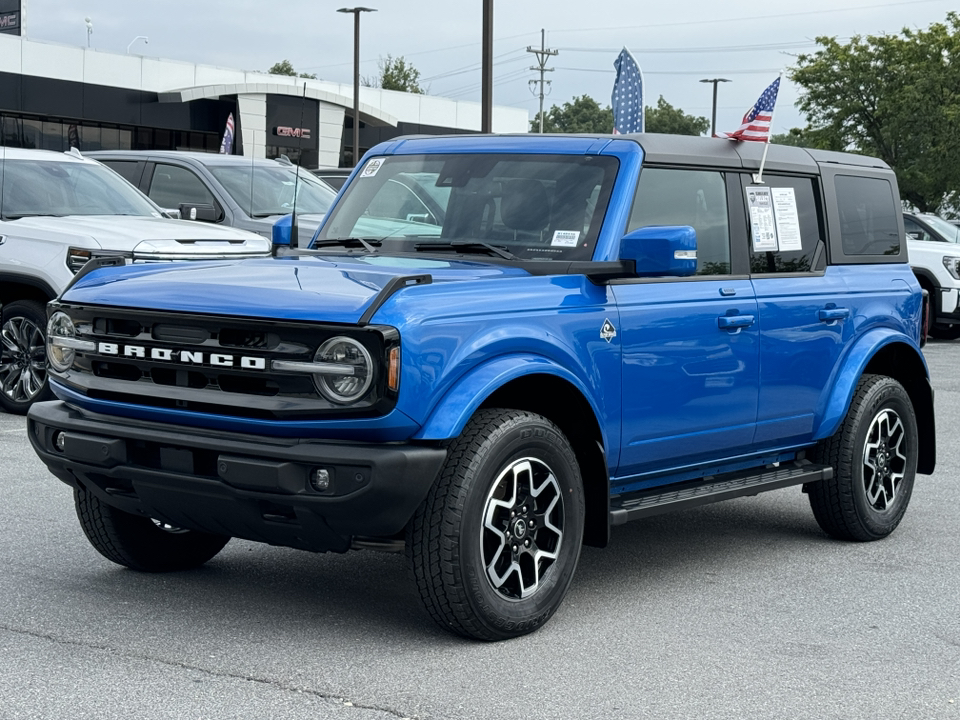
(189, 357)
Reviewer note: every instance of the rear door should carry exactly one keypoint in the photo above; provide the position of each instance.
(805, 317)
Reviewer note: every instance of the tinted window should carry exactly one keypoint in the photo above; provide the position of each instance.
(808, 216)
(129, 170)
(265, 190)
(916, 232)
(172, 185)
(697, 198)
(868, 216)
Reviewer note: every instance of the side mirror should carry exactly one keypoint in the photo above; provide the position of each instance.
(667, 250)
(282, 232)
(202, 212)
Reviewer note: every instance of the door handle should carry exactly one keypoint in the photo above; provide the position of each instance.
(831, 314)
(735, 322)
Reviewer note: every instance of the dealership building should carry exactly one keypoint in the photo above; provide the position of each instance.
(56, 96)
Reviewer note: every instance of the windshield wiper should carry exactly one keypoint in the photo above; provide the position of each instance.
(368, 245)
(18, 216)
(461, 245)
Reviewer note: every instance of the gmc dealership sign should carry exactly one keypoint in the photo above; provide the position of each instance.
(10, 17)
(293, 132)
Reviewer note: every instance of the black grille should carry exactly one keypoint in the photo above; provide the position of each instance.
(122, 368)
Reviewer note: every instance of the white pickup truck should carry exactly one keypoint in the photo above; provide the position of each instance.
(57, 210)
(934, 247)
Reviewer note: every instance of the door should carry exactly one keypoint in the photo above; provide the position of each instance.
(805, 313)
(690, 345)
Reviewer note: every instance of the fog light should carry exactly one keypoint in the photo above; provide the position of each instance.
(320, 479)
(59, 439)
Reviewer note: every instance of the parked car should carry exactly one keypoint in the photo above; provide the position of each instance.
(231, 190)
(58, 210)
(934, 245)
(334, 177)
(597, 330)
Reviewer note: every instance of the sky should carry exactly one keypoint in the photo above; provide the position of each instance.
(676, 43)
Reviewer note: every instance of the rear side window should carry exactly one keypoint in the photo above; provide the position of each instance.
(697, 198)
(800, 245)
(173, 185)
(868, 216)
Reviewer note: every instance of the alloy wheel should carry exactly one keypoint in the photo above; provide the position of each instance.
(884, 459)
(23, 370)
(522, 528)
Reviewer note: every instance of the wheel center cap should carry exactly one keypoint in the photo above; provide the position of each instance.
(519, 528)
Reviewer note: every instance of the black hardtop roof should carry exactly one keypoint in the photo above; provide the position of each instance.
(664, 149)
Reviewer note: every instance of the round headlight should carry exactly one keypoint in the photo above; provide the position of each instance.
(357, 366)
(59, 354)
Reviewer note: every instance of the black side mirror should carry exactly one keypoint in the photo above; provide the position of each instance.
(202, 212)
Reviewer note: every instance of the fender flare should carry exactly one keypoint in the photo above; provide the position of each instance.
(457, 406)
(853, 366)
(29, 280)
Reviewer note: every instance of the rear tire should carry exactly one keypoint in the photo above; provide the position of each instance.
(874, 458)
(141, 543)
(942, 331)
(495, 544)
(23, 370)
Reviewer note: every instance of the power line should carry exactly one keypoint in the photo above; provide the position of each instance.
(725, 48)
(753, 71)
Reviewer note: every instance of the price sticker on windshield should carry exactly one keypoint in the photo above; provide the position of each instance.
(372, 168)
(565, 238)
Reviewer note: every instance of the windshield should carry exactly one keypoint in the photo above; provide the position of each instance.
(534, 206)
(950, 232)
(50, 187)
(272, 189)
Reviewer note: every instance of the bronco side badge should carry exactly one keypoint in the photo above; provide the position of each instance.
(608, 332)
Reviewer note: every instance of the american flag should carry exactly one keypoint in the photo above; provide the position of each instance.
(627, 95)
(226, 147)
(756, 123)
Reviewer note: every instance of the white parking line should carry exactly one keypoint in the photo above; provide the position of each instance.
(13, 431)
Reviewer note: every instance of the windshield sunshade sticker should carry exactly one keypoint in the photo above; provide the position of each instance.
(372, 167)
(565, 238)
(608, 332)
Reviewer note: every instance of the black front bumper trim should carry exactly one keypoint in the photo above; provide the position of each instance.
(239, 485)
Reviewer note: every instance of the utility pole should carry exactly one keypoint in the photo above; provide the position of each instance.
(713, 116)
(542, 54)
(486, 79)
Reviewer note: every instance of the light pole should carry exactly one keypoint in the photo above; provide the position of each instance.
(713, 116)
(486, 72)
(89, 23)
(146, 41)
(356, 76)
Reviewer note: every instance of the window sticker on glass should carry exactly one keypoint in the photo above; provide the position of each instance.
(565, 238)
(762, 225)
(372, 167)
(788, 220)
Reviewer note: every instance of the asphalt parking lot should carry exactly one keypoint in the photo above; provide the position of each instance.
(739, 610)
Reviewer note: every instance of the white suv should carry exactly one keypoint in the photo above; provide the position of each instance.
(57, 210)
(934, 247)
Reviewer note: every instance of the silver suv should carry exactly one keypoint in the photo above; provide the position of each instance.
(57, 210)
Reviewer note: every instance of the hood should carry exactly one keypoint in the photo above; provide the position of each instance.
(127, 232)
(333, 288)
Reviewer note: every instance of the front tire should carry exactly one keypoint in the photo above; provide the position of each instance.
(874, 457)
(495, 544)
(23, 370)
(141, 543)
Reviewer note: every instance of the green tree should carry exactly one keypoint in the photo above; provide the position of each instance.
(896, 97)
(285, 68)
(584, 115)
(396, 74)
(665, 118)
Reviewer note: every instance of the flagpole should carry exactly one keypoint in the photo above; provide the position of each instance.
(758, 178)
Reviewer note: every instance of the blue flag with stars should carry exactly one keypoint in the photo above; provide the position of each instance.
(627, 95)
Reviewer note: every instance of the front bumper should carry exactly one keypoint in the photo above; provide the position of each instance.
(245, 486)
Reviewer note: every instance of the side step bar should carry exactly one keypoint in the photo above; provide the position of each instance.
(710, 490)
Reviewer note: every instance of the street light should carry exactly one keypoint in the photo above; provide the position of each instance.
(356, 76)
(89, 23)
(146, 41)
(713, 117)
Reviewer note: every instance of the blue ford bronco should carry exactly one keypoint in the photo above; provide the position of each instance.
(495, 349)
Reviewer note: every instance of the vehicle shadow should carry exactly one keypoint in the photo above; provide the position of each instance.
(280, 593)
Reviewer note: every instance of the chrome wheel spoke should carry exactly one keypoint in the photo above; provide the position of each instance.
(884, 459)
(24, 372)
